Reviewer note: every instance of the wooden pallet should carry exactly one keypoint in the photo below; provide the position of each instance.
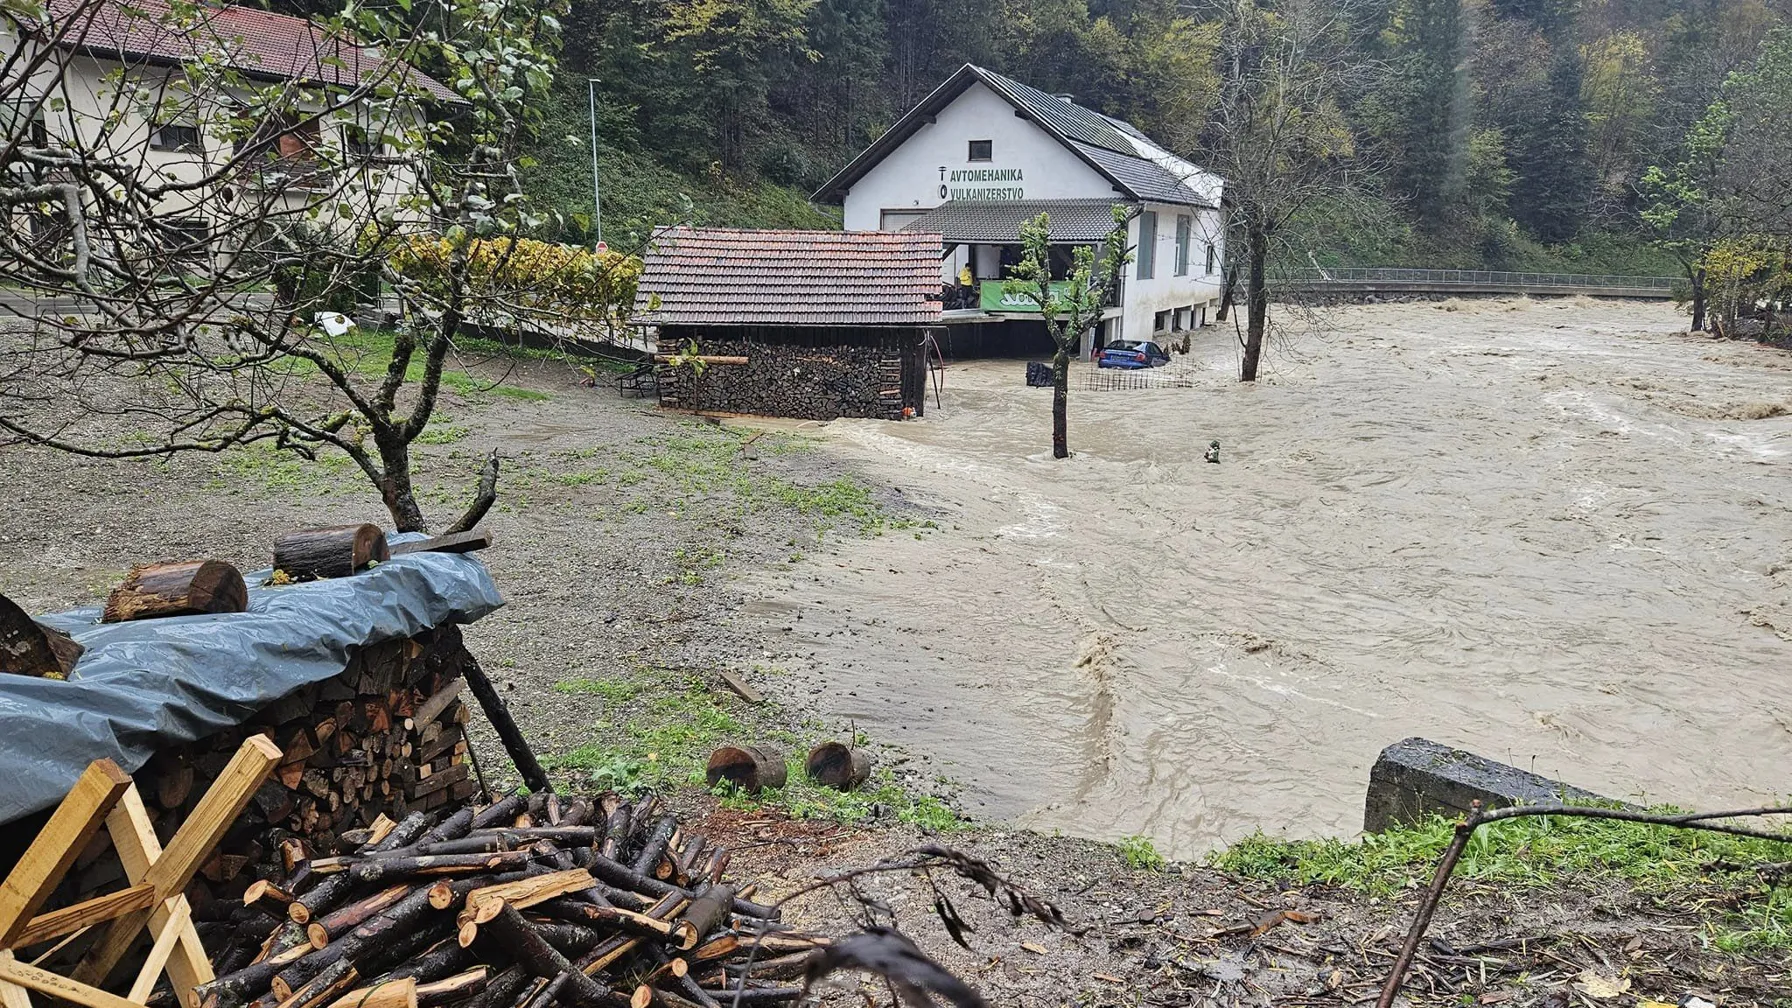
(105, 797)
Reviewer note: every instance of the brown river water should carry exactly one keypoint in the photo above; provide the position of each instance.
(1556, 533)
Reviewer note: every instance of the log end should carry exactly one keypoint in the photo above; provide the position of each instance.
(194, 588)
(28, 647)
(837, 765)
(750, 768)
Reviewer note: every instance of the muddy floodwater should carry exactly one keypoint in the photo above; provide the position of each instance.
(1557, 533)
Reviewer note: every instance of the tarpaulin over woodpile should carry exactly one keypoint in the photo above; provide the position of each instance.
(146, 684)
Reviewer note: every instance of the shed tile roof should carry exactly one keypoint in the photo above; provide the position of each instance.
(256, 42)
(723, 276)
(1078, 221)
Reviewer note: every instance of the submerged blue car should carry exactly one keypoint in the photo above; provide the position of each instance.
(1132, 354)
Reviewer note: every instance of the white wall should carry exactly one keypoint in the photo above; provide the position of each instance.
(108, 109)
(909, 177)
(1166, 291)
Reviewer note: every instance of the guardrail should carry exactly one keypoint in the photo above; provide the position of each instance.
(1388, 278)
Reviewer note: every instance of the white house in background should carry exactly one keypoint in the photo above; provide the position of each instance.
(119, 89)
(983, 153)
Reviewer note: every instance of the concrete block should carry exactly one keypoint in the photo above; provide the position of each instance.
(1416, 778)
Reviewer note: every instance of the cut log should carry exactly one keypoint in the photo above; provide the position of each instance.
(329, 552)
(484, 904)
(711, 907)
(177, 589)
(500, 812)
(679, 933)
(407, 832)
(432, 708)
(389, 868)
(323, 897)
(655, 847)
(512, 933)
(322, 930)
(329, 983)
(30, 648)
(399, 993)
(454, 542)
(837, 765)
(239, 988)
(454, 988)
(750, 768)
(502, 990)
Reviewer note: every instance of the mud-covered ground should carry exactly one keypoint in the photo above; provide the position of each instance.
(634, 548)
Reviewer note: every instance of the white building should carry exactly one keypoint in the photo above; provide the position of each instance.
(166, 91)
(983, 153)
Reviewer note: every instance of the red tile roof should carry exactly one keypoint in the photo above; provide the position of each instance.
(722, 276)
(256, 42)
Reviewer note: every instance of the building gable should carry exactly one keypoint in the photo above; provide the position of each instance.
(1134, 167)
(935, 165)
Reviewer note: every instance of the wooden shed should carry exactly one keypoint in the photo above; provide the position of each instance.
(814, 324)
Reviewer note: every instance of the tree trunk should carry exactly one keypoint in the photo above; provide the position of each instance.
(1226, 290)
(1697, 278)
(396, 491)
(1061, 403)
(1256, 305)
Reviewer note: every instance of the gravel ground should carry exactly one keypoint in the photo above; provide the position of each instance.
(618, 535)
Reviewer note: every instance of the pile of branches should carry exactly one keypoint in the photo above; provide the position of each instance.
(595, 902)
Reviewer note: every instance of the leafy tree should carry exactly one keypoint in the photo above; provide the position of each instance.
(1729, 188)
(1619, 97)
(1070, 307)
(1277, 134)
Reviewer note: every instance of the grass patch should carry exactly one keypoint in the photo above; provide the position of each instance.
(275, 471)
(1539, 852)
(1140, 854)
(667, 723)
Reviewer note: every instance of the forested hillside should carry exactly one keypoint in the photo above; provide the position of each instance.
(1489, 130)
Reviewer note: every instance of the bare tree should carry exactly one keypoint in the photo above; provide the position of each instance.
(1276, 133)
(186, 199)
(1071, 306)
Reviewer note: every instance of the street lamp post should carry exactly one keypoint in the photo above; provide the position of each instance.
(597, 215)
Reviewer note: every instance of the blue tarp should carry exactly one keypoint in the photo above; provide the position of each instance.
(145, 685)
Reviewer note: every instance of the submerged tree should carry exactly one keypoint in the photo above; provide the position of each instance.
(1277, 134)
(183, 229)
(1070, 307)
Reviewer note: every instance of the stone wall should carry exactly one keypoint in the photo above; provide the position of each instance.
(815, 374)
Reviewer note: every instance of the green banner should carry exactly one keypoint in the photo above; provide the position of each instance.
(991, 298)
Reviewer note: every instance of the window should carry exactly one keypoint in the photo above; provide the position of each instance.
(896, 220)
(187, 238)
(176, 137)
(1148, 245)
(358, 143)
(1213, 257)
(1184, 225)
(1161, 321)
(983, 150)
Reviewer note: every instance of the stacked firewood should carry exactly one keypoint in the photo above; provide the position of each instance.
(385, 737)
(588, 901)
